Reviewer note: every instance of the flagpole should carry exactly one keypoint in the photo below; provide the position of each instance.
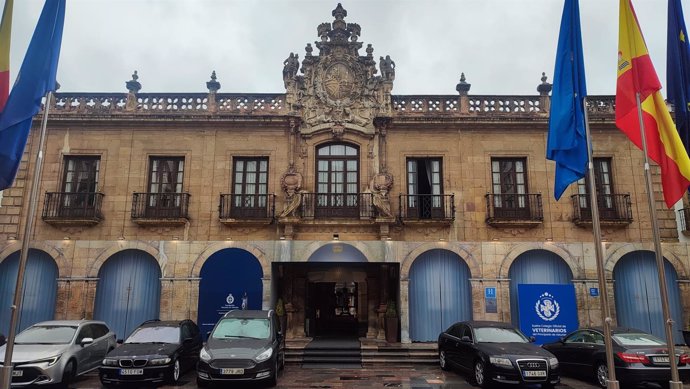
(6, 370)
(611, 383)
(675, 382)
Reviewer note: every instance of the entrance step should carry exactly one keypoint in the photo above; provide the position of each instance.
(370, 353)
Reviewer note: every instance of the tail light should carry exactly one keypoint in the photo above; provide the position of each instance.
(633, 358)
(684, 358)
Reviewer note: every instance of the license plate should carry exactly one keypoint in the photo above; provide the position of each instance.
(231, 371)
(660, 359)
(534, 373)
(131, 371)
(17, 373)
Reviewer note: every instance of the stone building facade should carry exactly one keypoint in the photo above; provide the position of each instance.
(336, 197)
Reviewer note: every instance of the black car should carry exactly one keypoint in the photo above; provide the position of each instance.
(157, 351)
(243, 346)
(639, 357)
(495, 352)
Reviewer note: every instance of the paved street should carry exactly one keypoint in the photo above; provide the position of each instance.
(294, 377)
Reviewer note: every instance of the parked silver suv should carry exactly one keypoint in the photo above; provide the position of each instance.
(54, 352)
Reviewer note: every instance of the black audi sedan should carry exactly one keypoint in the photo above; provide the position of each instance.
(639, 357)
(243, 346)
(156, 352)
(495, 352)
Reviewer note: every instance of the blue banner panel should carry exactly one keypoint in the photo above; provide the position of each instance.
(547, 311)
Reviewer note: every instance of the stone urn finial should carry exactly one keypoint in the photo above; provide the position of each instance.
(463, 86)
(544, 88)
(213, 85)
(133, 86)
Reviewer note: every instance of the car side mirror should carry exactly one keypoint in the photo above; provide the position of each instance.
(466, 339)
(532, 339)
(86, 341)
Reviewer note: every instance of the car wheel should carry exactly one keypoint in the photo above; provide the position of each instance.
(68, 374)
(201, 383)
(442, 360)
(273, 381)
(601, 374)
(174, 372)
(480, 374)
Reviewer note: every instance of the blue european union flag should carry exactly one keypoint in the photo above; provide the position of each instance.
(567, 141)
(35, 79)
(678, 69)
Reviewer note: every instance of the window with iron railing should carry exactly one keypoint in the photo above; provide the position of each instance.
(337, 181)
(509, 183)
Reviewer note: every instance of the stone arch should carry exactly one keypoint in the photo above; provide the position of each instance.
(94, 268)
(54, 253)
(615, 256)
(460, 250)
(211, 249)
(522, 248)
(363, 247)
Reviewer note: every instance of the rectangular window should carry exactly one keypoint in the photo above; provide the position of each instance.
(424, 188)
(509, 184)
(165, 182)
(250, 183)
(603, 180)
(80, 182)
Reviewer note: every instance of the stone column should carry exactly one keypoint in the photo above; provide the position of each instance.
(266, 298)
(404, 311)
(213, 87)
(373, 304)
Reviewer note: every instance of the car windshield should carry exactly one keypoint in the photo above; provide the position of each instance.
(242, 328)
(638, 339)
(46, 335)
(162, 334)
(499, 335)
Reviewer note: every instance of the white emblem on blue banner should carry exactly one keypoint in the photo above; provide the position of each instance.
(230, 299)
(547, 307)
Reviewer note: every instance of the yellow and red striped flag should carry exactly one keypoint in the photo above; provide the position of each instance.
(636, 74)
(5, 34)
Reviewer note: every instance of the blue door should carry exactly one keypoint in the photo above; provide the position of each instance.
(128, 292)
(230, 279)
(638, 298)
(536, 267)
(440, 294)
(40, 289)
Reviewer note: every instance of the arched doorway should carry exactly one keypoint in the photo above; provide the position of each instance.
(440, 294)
(40, 289)
(535, 267)
(128, 292)
(230, 279)
(638, 297)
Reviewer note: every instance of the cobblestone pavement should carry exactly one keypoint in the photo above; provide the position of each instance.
(294, 377)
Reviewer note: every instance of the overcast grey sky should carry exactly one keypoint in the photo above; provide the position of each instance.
(502, 46)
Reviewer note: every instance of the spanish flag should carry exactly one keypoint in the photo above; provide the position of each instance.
(636, 74)
(5, 33)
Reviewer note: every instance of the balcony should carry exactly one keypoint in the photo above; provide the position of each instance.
(63, 208)
(684, 218)
(337, 206)
(514, 210)
(427, 208)
(160, 208)
(614, 209)
(246, 209)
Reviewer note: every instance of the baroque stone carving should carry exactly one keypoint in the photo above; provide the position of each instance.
(380, 185)
(338, 86)
(291, 182)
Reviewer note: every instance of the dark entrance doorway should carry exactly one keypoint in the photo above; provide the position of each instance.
(333, 307)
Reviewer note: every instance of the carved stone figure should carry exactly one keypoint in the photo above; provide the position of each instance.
(387, 68)
(290, 66)
(291, 182)
(380, 185)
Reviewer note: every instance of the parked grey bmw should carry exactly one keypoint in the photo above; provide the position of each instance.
(54, 352)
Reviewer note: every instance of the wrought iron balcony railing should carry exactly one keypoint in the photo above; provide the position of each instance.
(73, 208)
(337, 205)
(160, 207)
(247, 206)
(427, 207)
(514, 209)
(684, 217)
(614, 209)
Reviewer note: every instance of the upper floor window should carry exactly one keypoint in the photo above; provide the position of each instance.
(81, 174)
(603, 182)
(337, 180)
(424, 187)
(509, 184)
(250, 182)
(165, 182)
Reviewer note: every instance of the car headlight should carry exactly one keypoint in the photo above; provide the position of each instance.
(50, 360)
(264, 355)
(110, 362)
(553, 362)
(159, 361)
(204, 355)
(501, 361)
